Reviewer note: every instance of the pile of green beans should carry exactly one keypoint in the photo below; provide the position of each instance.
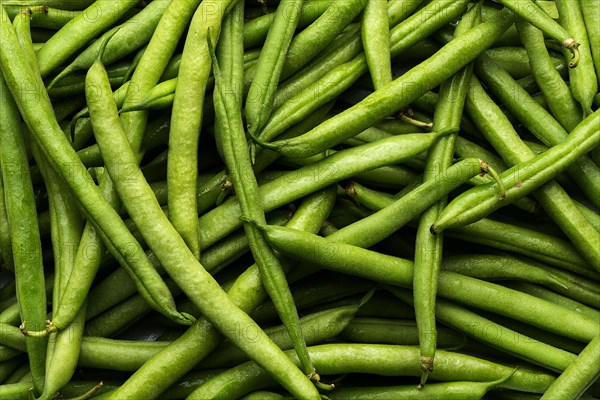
(299, 199)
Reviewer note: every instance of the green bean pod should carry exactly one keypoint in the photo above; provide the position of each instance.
(392, 331)
(317, 328)
(531, 12)
(428, 247)
(387, 360)
(460, 390)
(131, 35)
(581, 373)
(555, 90)
(77, 32)
(376, 42)
(237, 160)
(339, 256)
(331, 84)
(186, 119)
(170, 248)
(25, 240)
(591, 16)
(270, 64)
(198, 341)
(316, 37)
(539, 122)
(220, 221)
(497, 335)
(583, 80)
(399, 93)
(520, 180)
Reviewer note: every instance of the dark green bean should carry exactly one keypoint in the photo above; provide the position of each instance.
(399, 93)
(385, 360)
(22, 218)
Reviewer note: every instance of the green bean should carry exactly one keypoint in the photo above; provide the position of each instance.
(492, 267)
(317, 36)
(525, 177)
(530, 12)
(22, 222)
(150, 380)
(591, 16)
(186, 119)
(222, 220)
(428, 247)
(5, 245)
(270, 64)
(583, 80)
(516, 61)
(376, 42)
(400, 92)
(497, 335)
(255, 30)
(335, 81)
(77, 32)
(455, 390)
(555, 90)
(51, 17)
(237, 160)
(391, 331)
(387, 360)
(539, 122)
(555, 298)
(581, 373)
(334, 253)
(317, 328)
(309, 294)
(131, 35)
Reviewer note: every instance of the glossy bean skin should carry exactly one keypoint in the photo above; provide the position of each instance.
(581, 373)
(387, 360)
(376, 42)
(270, 64)
(455, 390)
(540, 246)
(238, 161)
(530, 11)
(391, 331)
(336, 80)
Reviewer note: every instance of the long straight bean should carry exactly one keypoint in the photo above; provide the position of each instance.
(428, 247)
(186, 119)
(25, 239)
